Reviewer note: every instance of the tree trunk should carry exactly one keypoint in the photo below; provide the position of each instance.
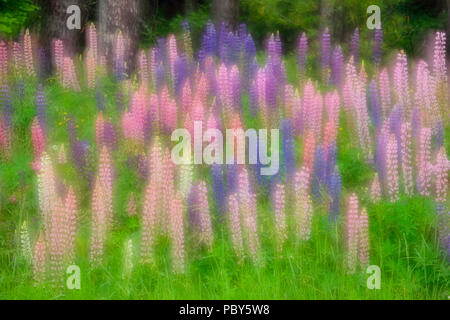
(226, 11)
(190, 5)
(125, 16)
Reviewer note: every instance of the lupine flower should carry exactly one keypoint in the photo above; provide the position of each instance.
(363, 237)
(424, 162)
(39, 260)
(325, 54)
(303, 204)
(235, 224)
(131, 206)
(401, 78)
(3, 61)
(335, 194)
(377, 45)
(441, 169)
(354, 46)
(392, 167)
(352, 233)
(375, 189)
(177, 234)
(58, 57)
(337, 67)
(288, 148)
(199, 213)
(218, 186)
(405, 142)
(28, 52)
(280, 215)
(302, 52)
(385, 92)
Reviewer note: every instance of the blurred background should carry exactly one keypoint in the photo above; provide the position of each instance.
(406, 23)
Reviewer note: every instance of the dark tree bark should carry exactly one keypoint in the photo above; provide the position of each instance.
(226, 11)
(54, 26)
(120, 15)
(191, 5)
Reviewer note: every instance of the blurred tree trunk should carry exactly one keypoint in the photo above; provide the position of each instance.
(190, 5)
(448, 25)
(120, 15)
(54, 26)
(227, 11)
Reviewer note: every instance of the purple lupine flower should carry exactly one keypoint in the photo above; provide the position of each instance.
(337, 67)
(236, 89)
(109, 136)
(271, 90)
(438, 135)
(235, 48)
(335, 194)
(160, 77)
(302, 52)
(325, 53)
(254, 99)
(242, 32)
(249, 61)
(5, 106)
(43, 63)
(354, 47)
(232, 178)
(181, 73)
(288, 157)
(209, 41)
(41, 108)
(381, 158)
(319, 172)
(330, 163)
(218, 187)
(375, 105)
(223, 42)
(377, 45)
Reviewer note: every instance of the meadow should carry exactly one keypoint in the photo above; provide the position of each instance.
(86, 177)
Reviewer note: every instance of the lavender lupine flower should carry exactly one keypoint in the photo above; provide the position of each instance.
(43, 63)
(325, 54)
(302, 52)
(254, 99)
(330, 163)
(335, 194)
(223, 42)
(437, 136)
(377, 45)
(41, 109)
(271, 91)
(354, 47)
(235, 48)
(218, 186)
(209, 41)
(249, 61)
(232, 178)
(375, 105)
(319, 172)
(5, 106)
(381, 158)
(288, 149)
(181, 73)
(337, 67)
(160, 77)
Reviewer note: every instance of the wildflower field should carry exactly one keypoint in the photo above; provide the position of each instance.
(87, 183)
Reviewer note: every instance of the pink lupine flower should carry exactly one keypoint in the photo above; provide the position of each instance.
(401, 78)
(439, 59)
(99, 223)
(441, 171)
(90, 68)
(18, 57)
(172, 51)
(177, 234)
(56, 243)
(303, 204)
(392, 167)
(235, 223)
(308, 151)
(58, 57)
(385, 92)
(425, 97)
(375, 189)
(405, 142)
(363, 237)
(69, 75)
(131, 206)
(167, 189)
(38, 139)
(28, 52)
(39, 260)
(3, 61)
(186, 98)
(143, 67)
(105, 175)
(149, 221)
(424, 162)
(46, 190)
(280, 215)
(352, 233)
(99, 129)
(200, 214)
(92, 40)
(332, 107)
(70, 224)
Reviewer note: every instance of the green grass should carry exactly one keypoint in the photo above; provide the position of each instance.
(403, 235)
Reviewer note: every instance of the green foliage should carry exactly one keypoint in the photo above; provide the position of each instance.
(15, 14)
